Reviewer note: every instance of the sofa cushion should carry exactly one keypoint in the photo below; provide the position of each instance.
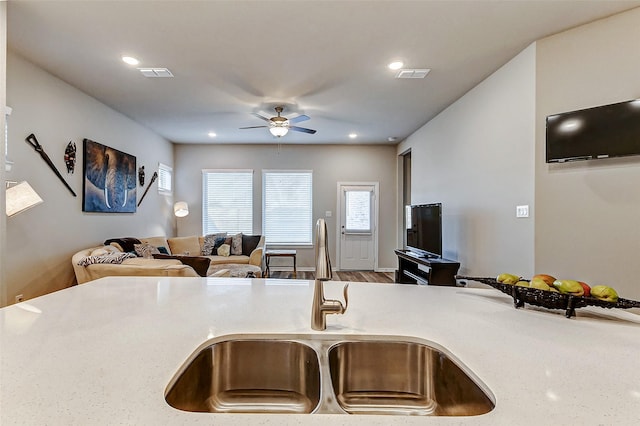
(151, 263)
(199, 263)
(188, 246)
(236, 244)
(249, 243)
(224, 250)
(125, 243)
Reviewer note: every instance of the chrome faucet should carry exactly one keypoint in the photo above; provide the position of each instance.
(322, 307)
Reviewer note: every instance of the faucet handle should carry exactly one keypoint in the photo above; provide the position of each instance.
(346, 298)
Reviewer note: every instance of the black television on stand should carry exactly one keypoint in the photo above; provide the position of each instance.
(424, 230)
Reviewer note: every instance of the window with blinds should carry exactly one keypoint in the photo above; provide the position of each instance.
(287, 207)
(164, 179)
(227, 201)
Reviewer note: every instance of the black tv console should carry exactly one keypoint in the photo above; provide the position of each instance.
(415, 269)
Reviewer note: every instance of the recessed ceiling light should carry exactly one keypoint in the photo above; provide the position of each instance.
(395, 65)
(212, 134)
(130, 60)
(353, 135)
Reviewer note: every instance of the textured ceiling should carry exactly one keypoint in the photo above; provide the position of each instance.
(325, 59)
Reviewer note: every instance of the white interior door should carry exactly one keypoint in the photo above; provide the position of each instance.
(358, 227)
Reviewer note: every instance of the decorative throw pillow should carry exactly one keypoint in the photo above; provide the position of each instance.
(199, 264)
(210, 241)
(101, 251)
(156, 242)
(249, 243)
(219, 241)
(185, 245)
(116, 246)
(105, 258)
(224, 250)
(145, 250)
(236, 244)
(125, 243)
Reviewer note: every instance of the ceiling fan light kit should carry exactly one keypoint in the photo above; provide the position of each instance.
(279, 126)
(278, 130)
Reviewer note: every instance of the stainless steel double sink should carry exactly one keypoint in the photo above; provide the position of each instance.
(325, 373)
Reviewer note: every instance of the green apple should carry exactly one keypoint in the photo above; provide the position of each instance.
(604, 292)
(539, 283)
(569, 287)
(523, 283)
(508, 279)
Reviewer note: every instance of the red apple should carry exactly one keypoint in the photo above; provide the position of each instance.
(587, 289)
(546, 278)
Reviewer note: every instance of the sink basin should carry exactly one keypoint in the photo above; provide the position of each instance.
(249, 376)
(326, 374)
(396, 377)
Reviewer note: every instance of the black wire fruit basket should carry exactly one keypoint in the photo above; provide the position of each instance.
(551, 300)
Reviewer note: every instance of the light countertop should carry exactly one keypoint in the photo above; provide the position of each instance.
(103, 352)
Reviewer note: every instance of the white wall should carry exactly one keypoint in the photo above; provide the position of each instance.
(330, 165)
(3, 80)
(41, 241)
(588, 213)
(477, 158)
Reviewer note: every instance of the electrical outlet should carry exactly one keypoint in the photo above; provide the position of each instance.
(19, 298)
(522, 211)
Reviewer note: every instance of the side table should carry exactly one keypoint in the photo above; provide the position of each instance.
(280, 253)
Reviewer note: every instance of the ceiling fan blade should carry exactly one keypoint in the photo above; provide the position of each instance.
(299, 118)
(261, 117)
(251, 127)
(302, 129)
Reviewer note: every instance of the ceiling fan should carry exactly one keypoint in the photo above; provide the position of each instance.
(280, 126)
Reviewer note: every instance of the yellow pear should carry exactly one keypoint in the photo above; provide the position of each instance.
(508, 279)
(604, 292)
(569, 287)
(540, 284)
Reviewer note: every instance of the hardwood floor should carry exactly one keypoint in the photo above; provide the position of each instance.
(353, 276)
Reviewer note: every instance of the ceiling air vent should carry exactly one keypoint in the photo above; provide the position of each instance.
(155, 72)
(412, 73)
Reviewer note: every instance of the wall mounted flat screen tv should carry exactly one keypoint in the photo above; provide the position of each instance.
(599, 132)
(424, 229)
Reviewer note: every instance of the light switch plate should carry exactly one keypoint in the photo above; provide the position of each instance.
(327, 213)
(522, 211)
